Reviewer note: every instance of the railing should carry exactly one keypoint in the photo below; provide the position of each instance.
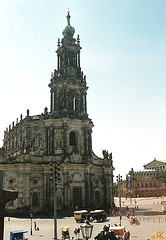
(152, 219)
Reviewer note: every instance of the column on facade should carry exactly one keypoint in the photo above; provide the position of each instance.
(45, 140)
(85, 142)
(26, 187)
(51, 101)
(81, 101)
(65, 57)
(65, 98)
(46, 191)
(111, 188)
(78, 59)
(88, 188)
(48, 140)
(51, 140)
(106, 190)
(66, 198)
(65, 138)
(85, 103)
(55, 99)
(75, 60)
(41, 188)
(58, 62)
(89, 142)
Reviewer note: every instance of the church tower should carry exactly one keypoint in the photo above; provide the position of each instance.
(62, 135)
(68, 90)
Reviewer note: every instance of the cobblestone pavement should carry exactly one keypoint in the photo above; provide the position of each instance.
(149, 214)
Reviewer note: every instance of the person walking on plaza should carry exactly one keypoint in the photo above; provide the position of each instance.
(117, 236)
(78, 231)
(128, 215)
(35, 225)
(128, 235)
(125, 235)
(113, 212)
(75, 233)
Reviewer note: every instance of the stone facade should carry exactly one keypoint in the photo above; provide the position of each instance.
(63, 135)
(150, 182)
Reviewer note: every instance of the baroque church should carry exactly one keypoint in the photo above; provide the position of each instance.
(62, 135)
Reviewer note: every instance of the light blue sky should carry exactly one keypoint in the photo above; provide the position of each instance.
(123, 56)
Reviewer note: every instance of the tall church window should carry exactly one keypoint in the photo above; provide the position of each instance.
(72, 100)
(74, 103)
(36, 142)
(97, 197)
(35, 199)
(73, 141)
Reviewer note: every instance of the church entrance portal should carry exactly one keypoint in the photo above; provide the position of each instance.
(77, 197)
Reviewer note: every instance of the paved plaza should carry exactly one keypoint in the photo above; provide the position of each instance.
(149, 213)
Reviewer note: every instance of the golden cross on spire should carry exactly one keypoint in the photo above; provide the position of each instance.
(68, 10)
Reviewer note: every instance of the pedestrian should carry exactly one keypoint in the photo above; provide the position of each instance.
(125, 235)
(117, 236)
(78, 231)
(128, 235)
(35, 225)
(104, 228)
(113, 212)
(75, 233)
(128, 215)
(112, 235)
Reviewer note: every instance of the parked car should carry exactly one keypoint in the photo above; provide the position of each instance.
(80, 216)
(18, 235)
(99, 215)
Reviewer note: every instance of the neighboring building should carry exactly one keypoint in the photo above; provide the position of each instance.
(150, 182)
(62, 135)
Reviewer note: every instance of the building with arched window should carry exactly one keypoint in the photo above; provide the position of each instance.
(62, 135)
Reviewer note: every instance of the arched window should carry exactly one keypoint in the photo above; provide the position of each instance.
(35, 199)
(73, 141)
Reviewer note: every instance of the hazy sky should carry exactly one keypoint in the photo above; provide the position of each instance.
(123, 56)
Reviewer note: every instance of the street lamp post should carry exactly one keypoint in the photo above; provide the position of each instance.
(86, 229)
(54, 175)
(119, 180)
(135, 204)
(55, 213)
(31, 215)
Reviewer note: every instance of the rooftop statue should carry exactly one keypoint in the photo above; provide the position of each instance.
(69, 30)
